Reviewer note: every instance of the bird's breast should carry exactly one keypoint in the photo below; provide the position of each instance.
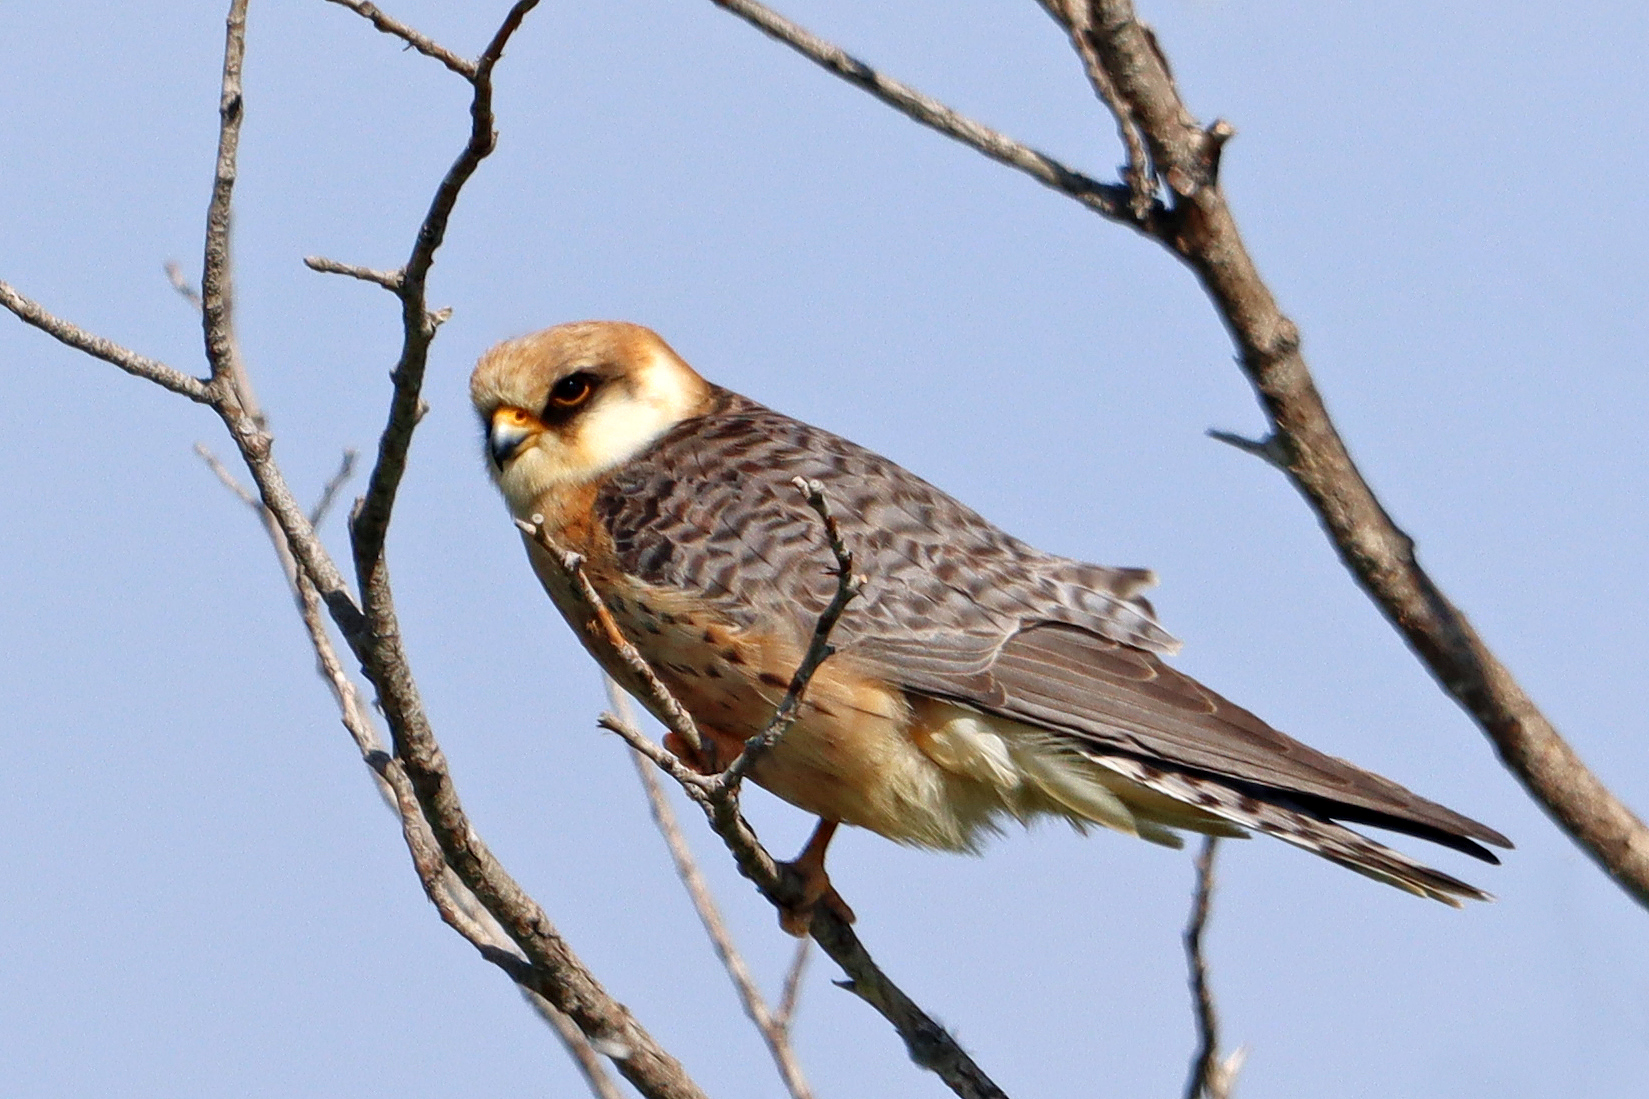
(859, 752)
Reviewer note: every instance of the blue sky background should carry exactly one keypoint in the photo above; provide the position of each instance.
(202, 893)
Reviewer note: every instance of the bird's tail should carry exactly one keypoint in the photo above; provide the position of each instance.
(1305, 828)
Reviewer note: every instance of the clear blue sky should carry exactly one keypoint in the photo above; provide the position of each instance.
(202, 893)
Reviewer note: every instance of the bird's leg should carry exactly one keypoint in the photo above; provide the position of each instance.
(809, 867)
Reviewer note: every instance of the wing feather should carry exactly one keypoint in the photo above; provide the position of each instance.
(710, 508)
(1122, 699)
(959, 610)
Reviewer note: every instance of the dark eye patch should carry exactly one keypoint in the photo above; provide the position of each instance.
(569, 393)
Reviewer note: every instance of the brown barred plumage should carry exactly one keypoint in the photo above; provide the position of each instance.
(977, 678)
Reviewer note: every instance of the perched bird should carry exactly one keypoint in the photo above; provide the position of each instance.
(976, 678)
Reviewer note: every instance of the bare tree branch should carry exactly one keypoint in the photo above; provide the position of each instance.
(456, 905)
(215, 297)
(584, 1055)
(1210, 1077)
(1106, 199)
(1202, 231)
(389, 280)
(417, 774)
(720, 791)
(228, 479)
(928, 1044)
(432, 870)
(30, 312)
(247, 497)
(771, 1026)
(241, 380)
(790, 999)
(371, 520)
(1073, 17)
(462, 66)
(189, 293)
(439, 835)
(1198, 227)
(551, 969)
(554, 971)
(454, 902)
(346, 470)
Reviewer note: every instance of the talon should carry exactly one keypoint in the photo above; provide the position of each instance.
(796, 919)
(704, 762)
(809, 868)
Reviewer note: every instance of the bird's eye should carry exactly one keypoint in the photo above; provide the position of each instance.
(571, 391)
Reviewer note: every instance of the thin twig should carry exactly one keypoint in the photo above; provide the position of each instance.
(848, 586)
(389, 280)
(371, 520)
(658, 698)
(1074, 18)
(1106, 199)
(246, 495)
(191, 294)
(642, 679)
(772, 1028)
(1267, 450)
(31, 312)
(346, 470)
(419, 42)
(790, 998)
(927, 1043)
(175, 276)
(1210, 1077)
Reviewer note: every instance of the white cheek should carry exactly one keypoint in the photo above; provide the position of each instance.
(617, 430)
(618, 426)
(611, 434)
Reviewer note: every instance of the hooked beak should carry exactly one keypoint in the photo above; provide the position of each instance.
(510, 428)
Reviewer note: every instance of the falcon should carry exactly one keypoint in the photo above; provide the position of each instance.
(976, 679)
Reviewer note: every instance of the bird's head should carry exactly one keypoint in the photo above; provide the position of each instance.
(567, 404)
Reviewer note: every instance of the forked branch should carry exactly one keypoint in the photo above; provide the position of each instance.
(1105, 199)
(928, 1043)
(438, 833)
(418, 324)
(773, 1026)
(1203, 232)
(1131, 74)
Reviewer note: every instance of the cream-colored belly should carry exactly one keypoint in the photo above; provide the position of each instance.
(932, 774)
(916, 770)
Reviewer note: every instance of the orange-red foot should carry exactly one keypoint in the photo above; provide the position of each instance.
(815, 882)
(704, 762)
